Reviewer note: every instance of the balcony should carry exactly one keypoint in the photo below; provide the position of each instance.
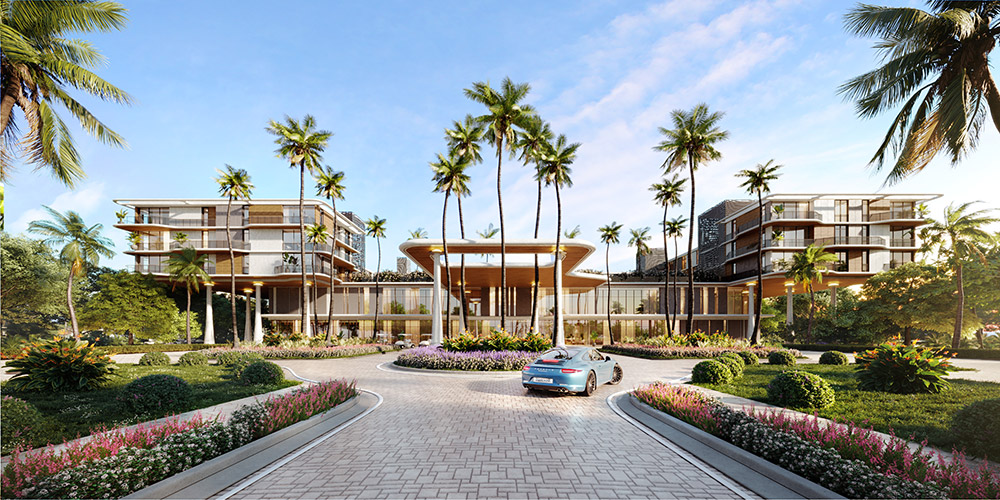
(297, 269)
(310, 247)
(150, 268)
(167, 221)
(149, 246)
(210, 245)
(894, 215)
(792, 215)
(904, 242)
(746, 225)
(851, 240)
(280, 219)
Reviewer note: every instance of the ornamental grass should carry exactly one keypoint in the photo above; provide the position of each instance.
(434, 358)
(305, 352)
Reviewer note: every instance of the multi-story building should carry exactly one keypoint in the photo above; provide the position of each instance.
(357, 241)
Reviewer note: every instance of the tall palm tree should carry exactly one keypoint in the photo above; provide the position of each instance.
(302, 145)
(638, 240)
(488, 234)
(188, 268)
(465, 140)
(449, 177)
(316, 235)
(532, 142)
(234, 184)
(573, 233)
(82, 247)
(555, 170)
(505, 111)
(675, 229)
(37, 67)
(375, 228)
(329, 183)
(418, 234)
(936, 64)
(758, 182)
(667, 193)
(959, 236)
(691, 142)
(609, 235)
(807, 267)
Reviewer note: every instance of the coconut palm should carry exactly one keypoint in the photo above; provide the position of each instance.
(936, 69)
(375, 228)
(505, 111)
(302, 145)
(573, 233)
(234, 184)
(82, 247)
(532, 142)
(638, 240)
(807, 267)
(488, 234)
(691, 143)
(555, 170)
(316, 235)
(675, 229)
(329, 183)
(418, 234)
(465, 138)
(609, 235)
(667, 193)
(188, 268)
(449, 177)
(758, 182)
(37, 67)
(959, 237)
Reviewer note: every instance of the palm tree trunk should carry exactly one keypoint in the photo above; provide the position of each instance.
(378, 265)
(534, 286)
(302, 239)
(677, 298)
(666, 275)
(69, 301)
(232, 272)
(607, 268)
(188, 319)
(557, 316)
(333, 275)
(461, 285)
(447, 270)
(690, 288)
(812, 313)
(755, 335)
(956, 338)
(503, 242)
(315, 294)
(907, 336)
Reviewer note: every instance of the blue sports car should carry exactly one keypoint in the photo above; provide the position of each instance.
(573, 369)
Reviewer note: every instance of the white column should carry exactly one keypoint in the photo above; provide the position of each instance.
(833, 296)
(788, 301)
(750, 316)
(247, 334)
(557, 319)
(258, 323)
(307, 328)
(209, 321)
(436, 331)
(538, 312)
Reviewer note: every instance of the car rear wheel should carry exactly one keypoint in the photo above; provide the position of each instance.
(591, 386)
(617, 375)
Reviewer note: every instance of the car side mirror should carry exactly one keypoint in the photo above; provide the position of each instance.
(607, 358)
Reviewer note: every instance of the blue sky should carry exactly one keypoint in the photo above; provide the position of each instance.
(388, 77)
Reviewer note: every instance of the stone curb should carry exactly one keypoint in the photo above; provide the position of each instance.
(389, 365)
(755, 473)
(209, 478)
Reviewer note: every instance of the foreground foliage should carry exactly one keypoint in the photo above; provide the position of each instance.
(59, 365)
(678, 352)
(344, 351)
(903, 369)
(498, 340)
(433, 358)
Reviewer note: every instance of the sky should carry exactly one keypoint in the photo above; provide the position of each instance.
(388, 77)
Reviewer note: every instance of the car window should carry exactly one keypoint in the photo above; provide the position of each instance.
(596, 356)
(554, 354)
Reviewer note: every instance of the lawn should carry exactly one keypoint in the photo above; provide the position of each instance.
(913, 416)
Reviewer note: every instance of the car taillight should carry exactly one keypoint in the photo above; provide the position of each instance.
(526, 368)
(570, 370)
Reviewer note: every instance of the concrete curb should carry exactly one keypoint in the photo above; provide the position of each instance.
(209, 478)
(752, 472)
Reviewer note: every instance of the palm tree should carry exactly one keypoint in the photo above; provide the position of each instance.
(376, 229)
(638, 240)
(83, 247)
(37, 66)
(234, 184)
(555, 170)
(302, 145)
(807, 267)
(573, 233)
(464, 140)
(504, 112)
(329, 183)
(937, 65)
(667, 193)
(449, 177)
(532, 142)
(316, 234)
(188, 268)
(418, 234)
(758, 182)
(609, 235)
(959, 236)
(675, 229)
(691, 142)
(488, 234)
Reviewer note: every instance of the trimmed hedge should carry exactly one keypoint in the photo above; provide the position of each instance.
(993, 354)
(833, 358)
(711, 372)
(799, 389)
(344, 351)
(155, 358)
(650, 352)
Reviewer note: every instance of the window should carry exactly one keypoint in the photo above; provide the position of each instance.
(899, 258)
(839, 234)
(864, 261)
(840, 211)
(841, 264)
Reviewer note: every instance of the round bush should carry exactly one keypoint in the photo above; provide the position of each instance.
(780, 358)
(157, 393)
(155, 358)
(235, 356)
(261, 373)
(799, 389)
(977, 427)
(833, 358)
(22, 424)
(193, 358)
(733, 362)
(749, 358)
(711, 372)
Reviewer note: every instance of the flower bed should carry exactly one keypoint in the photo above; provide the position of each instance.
(434, 358)
(341, 351)
(678, 352)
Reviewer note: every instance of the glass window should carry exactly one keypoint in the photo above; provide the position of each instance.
(840, 211)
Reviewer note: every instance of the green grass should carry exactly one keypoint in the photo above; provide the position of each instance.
(920, 416)
(78, 412)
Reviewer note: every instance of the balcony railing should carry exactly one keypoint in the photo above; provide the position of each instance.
(893, 215)
(149, 246)
(167, 221)
(296, 268)
(280, 219)
(792, 214)
(150, 268)
(310, 247)
(746, 225)
(210, 244)
(789, 243)
(904, 242)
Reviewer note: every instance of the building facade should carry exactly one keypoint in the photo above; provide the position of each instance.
(357, 241)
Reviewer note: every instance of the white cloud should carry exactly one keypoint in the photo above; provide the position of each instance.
(83, 201)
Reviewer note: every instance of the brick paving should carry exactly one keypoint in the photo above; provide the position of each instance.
(484, 436)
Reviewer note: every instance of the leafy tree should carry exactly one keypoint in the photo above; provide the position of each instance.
(234, 184)
(982, 288)
(555, 170)
(674, 228)
(758, 182)
(375, 228)
(316, 235)
(807, 267)
(609, 234)
(187, 268)
(329, 183)
(638, 240)
(667, 193)
(911, 296)
(31, 286)
(133, 305)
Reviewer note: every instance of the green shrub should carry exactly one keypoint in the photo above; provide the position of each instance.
(193, 358)
(156, 393)
(235, 356)
(262, 373)
(799, 389)
(499, 340)
(833, 358)
(711, 372)
(977, 427)
(749, 357)
(59, 365)
(733, 362)
(781, 358)
(155, 358)
(21, 424)
(903, 369)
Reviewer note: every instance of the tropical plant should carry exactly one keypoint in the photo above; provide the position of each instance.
(638, 240)
(316, 234)
(532, 142)
(464, 138)
(487, 234)
(38, 64)
(302, 145)
(375, 228)
(691, 142)
(675, 229)
(418, 234)
(505, 111)
(186, 267)
(937, 65)
(667, 193)
(82, 247)
(555, 171)
(573, 233)
(121, 215)
(234, 184)
(450, 177)
(891, 367)
(758, 182)
(609, 234)
(329, 183)
(59, 365)
(807, 267)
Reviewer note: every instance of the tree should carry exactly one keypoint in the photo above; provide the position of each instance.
(329, 183)
(958, 238)
(667, 193)
(134, 305)
(638, 240)
(450, 177)
(38, 64)
(807, 267)
(758, 182)
(234, 184)
(937, 65)
(609, 235)
(910, 296)
(188, 268)
(31, 287)
(675, 228)
(302, 145)
(692, 142)
(82, 247)
(555, 170)
(316, 235)
(532, 142)
(375, 228)
(505, 111)
(464, 140)
(488, 234)
(418, 234)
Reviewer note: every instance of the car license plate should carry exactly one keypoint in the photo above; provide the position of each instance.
(541, 380)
